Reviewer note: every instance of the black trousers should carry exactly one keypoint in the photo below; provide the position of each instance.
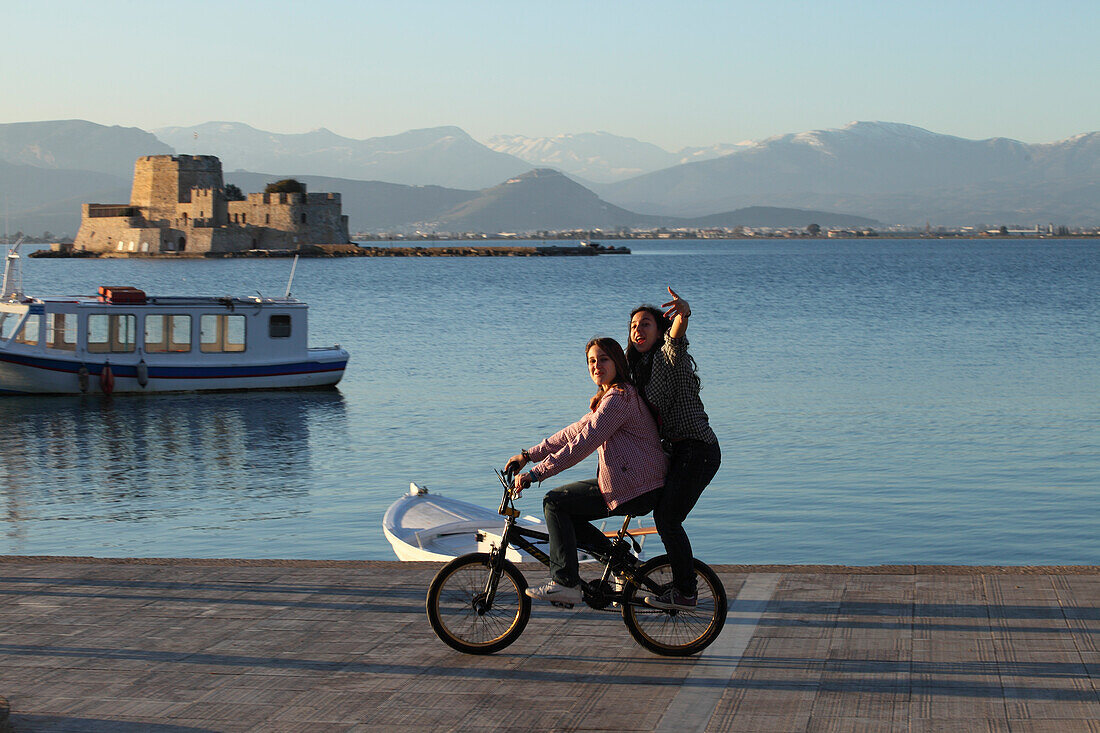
(692, 466)
(568, 510)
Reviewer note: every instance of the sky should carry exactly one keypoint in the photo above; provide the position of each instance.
(678, 74)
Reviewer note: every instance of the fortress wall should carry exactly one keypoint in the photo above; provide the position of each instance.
(117, 235)
(206, 207)
(299, 219)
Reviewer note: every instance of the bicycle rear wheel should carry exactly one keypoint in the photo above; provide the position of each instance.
(458, 607)
(674, 633)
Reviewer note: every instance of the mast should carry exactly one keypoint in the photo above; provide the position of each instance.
(13, 275)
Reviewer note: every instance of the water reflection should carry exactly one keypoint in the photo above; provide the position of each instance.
(195, 458)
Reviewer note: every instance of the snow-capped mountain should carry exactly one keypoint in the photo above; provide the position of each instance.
(600, 157)
(889, 171)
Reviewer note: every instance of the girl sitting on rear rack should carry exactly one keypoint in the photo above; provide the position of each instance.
(632, 467)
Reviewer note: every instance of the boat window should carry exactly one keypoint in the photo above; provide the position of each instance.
(111, 333)
(279, 327)
(167, 333)
(8, 322)
(219, 333)
(61, 331)
(29, 333)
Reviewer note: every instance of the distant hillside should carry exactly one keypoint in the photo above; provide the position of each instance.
(599, 156)
(892, 172)
(778, 218)
(541, 199)
(546, 199)
(442, 156)
(77, 145)
(36, 200)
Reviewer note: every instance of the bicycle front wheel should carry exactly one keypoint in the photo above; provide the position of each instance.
(460, 611)
(674, 633)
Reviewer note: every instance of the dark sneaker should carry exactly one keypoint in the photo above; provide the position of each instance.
(672, 600)
(556, 593)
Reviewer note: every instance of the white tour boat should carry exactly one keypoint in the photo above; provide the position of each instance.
(431, 527)
(122, 340)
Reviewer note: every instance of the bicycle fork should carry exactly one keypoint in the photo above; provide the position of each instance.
(495, 565)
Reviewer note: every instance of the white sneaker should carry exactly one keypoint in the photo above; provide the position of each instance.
(556, 593)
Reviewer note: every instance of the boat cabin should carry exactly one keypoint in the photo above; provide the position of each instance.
(123, 322)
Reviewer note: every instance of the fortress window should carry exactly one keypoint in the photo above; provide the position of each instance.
(109, 333)
(267, 218)
(244, 218)
(303, 217)
(279, 327)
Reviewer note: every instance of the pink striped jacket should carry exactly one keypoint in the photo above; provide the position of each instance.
(623, 431)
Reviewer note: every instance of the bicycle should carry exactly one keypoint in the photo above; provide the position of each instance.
(476, 603)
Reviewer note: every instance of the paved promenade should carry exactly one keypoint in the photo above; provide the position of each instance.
(184, 645)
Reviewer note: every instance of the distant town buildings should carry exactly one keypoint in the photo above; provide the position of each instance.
(179, 204)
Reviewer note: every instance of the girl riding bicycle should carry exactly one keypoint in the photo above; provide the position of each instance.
(632, 467)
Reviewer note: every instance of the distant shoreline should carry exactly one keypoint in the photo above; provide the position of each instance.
(404, 246)
(349, 250)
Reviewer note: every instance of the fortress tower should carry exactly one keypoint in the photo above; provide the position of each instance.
(163, 181)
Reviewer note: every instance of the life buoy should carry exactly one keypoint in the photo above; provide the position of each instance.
(107, 380)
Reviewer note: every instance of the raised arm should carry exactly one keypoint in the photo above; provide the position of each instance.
(678, 311)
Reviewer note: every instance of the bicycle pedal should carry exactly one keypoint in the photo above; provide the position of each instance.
(559, 604)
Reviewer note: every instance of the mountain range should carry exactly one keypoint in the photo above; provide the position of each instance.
(892, 172)
(439, 156)
(601, 157)
(862, 174)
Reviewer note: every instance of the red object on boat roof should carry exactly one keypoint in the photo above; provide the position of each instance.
(121, 294)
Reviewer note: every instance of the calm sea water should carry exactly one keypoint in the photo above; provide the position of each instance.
(877, 402)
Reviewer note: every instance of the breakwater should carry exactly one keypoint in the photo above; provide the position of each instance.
(352, 250)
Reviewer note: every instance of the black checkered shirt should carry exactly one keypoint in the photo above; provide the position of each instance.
(673, 389)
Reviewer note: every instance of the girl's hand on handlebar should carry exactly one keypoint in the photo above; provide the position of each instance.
(515, 464)
(519, 483)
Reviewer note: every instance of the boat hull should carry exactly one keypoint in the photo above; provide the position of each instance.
(433, 528)
(32, 374)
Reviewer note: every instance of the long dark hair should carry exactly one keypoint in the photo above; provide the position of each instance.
(611, 347)
(663, 324)
(640, 367)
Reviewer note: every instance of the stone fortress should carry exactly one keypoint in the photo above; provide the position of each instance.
(178, 206)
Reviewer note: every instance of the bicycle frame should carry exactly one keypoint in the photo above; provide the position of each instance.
(519, 537)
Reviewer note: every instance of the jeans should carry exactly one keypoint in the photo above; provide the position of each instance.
(568, 510)
(691, 468)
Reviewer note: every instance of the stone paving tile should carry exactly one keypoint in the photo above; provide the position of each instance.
(958, 703)
(1054, 726)
(958, 725)
(820, 724)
